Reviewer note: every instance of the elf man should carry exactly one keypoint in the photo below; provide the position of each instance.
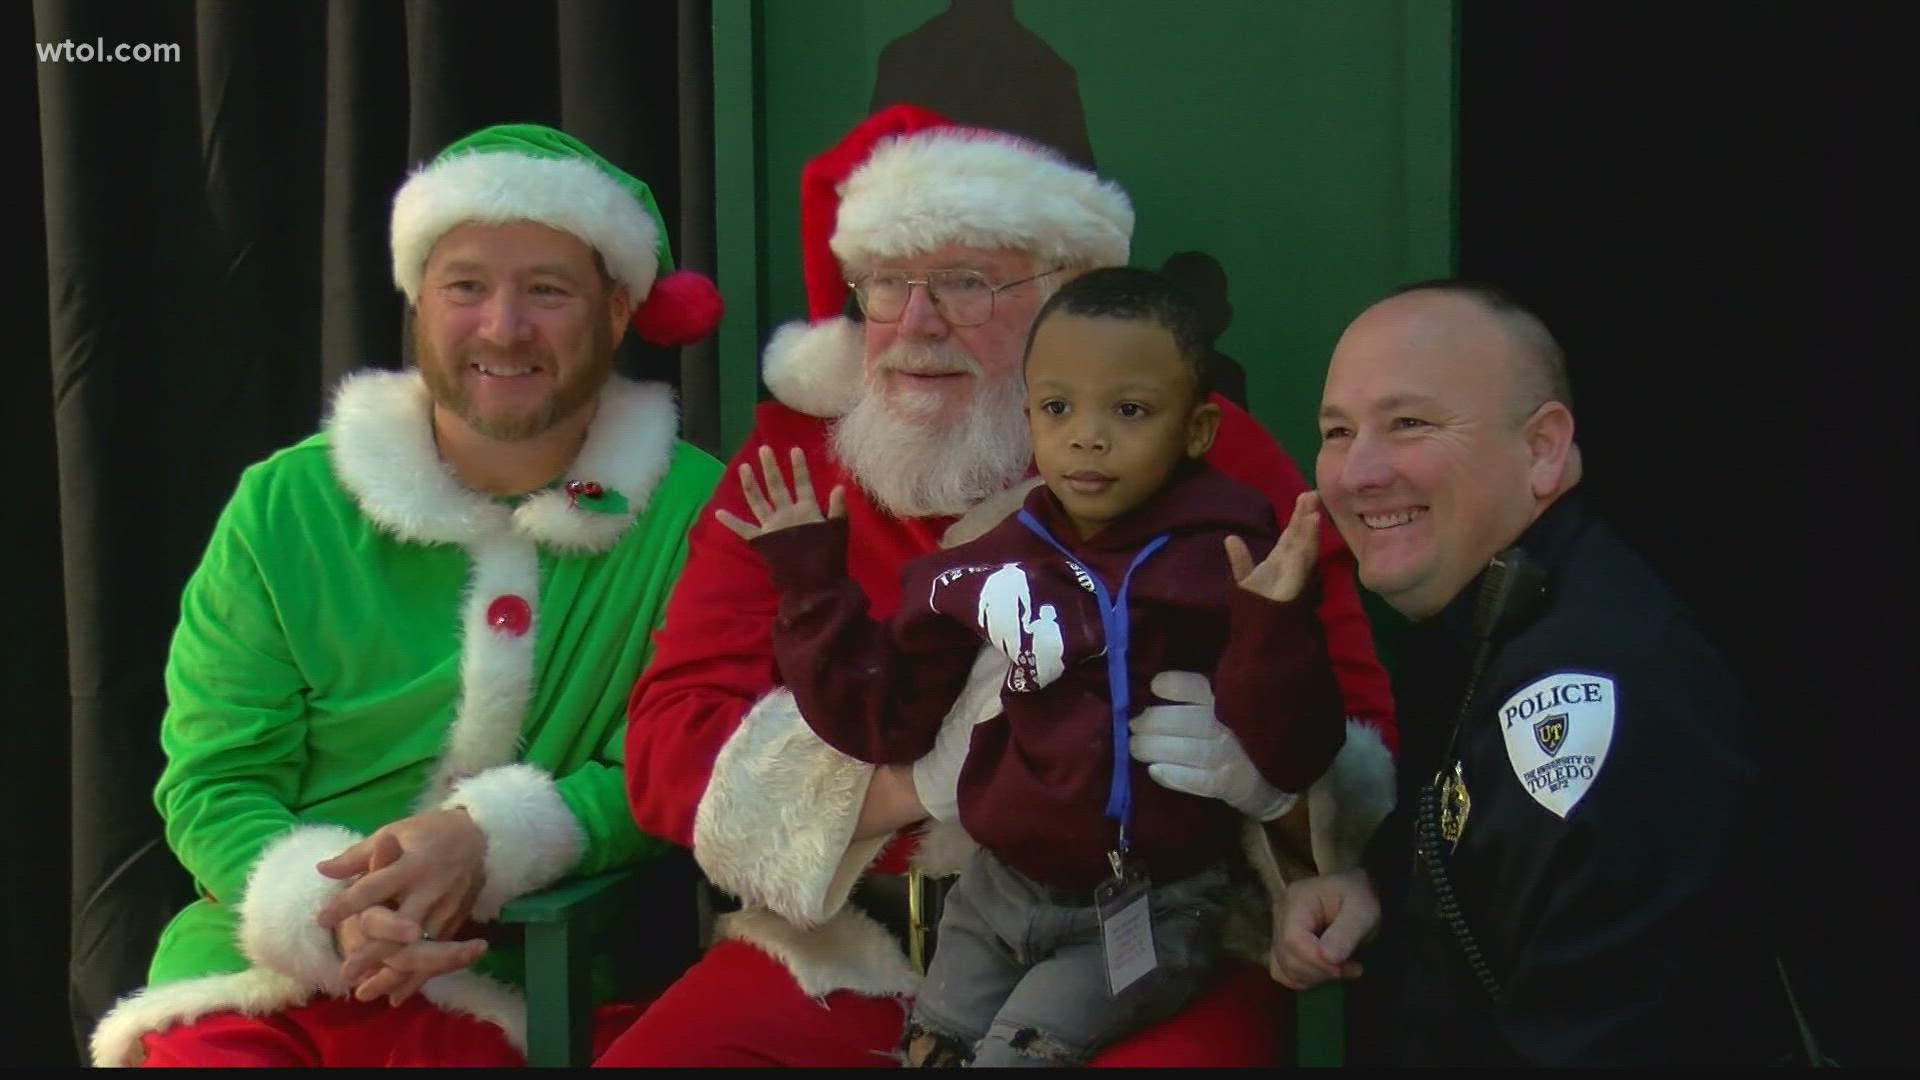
(394, 694)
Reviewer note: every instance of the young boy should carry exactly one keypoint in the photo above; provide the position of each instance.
(1132, 558)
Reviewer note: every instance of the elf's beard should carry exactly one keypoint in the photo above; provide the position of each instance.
(913, 462)
(579, 385)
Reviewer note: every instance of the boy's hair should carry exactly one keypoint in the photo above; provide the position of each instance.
(1125, 292)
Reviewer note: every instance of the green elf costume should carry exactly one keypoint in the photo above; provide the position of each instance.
(366, 638)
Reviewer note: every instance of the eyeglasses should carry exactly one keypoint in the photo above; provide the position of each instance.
(962, 297)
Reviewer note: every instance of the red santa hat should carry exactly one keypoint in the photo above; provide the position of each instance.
(902, 183)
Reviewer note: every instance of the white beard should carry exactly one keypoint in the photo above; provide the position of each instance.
(910, 463)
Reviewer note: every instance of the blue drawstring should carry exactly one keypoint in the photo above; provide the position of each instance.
(1113, 620)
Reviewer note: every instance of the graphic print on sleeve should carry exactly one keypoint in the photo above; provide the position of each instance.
(1039, 620)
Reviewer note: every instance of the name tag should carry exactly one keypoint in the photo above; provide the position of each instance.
(1126, 930)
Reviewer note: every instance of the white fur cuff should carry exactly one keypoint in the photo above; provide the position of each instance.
(1351, 799)
(936, 777)
(775, 827)
(284, 893)
(532, 837)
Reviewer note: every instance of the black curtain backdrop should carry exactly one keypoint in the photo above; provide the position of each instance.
(215, 259)
(1713, 206)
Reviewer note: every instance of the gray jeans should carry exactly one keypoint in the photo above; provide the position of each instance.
(1019, 976)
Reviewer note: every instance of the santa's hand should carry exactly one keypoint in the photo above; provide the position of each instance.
(1186, 749)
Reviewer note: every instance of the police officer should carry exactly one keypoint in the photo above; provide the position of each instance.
(1566, 878)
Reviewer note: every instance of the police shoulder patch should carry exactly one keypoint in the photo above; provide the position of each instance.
(1557, 730)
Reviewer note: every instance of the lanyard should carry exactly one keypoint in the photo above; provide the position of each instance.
(1113, 620)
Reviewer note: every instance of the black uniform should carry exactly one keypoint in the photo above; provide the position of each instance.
(1606, 867)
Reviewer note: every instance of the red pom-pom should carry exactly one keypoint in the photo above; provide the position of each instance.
(682, 308)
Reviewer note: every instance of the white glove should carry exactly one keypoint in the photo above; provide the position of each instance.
(1186, 749)
(936, 777)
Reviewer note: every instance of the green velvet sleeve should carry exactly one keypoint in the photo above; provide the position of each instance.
(234, 729)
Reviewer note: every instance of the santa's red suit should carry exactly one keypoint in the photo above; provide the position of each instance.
(719, 759)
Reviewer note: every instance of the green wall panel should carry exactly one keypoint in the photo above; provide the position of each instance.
(1306, 144)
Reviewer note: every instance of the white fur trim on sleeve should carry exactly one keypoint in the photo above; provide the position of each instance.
(284, 892)
(1349, 801)
(936, 777)
(532, 837)
(942, 849)
(775, 827)
(815, 368)
(1344, 807)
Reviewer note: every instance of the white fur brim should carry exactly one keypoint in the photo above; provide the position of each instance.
(494, 187)
(284, 893)
(948, 186)
(815, 368)
(775, 826)
(532, 837)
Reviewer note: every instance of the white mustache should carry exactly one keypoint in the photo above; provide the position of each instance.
(920, 369)
(921, 361)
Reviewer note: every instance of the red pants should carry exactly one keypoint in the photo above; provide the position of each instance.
(342, 1033)
(738, 1007)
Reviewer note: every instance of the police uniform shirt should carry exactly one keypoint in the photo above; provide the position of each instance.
(1605, 865)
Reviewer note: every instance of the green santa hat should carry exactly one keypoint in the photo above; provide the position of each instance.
(527, 172)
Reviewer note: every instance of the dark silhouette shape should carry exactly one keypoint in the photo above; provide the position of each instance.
(976, 64)
(1204, 281)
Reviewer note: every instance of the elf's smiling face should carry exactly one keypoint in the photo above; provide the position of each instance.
(515, 327)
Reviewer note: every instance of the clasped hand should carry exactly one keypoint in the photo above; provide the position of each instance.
(417, 880)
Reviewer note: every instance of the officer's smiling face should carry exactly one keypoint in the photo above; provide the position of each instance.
(1425, 463)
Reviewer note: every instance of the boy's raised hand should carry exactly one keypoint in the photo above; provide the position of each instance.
(776, 509)
(1289, 566)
